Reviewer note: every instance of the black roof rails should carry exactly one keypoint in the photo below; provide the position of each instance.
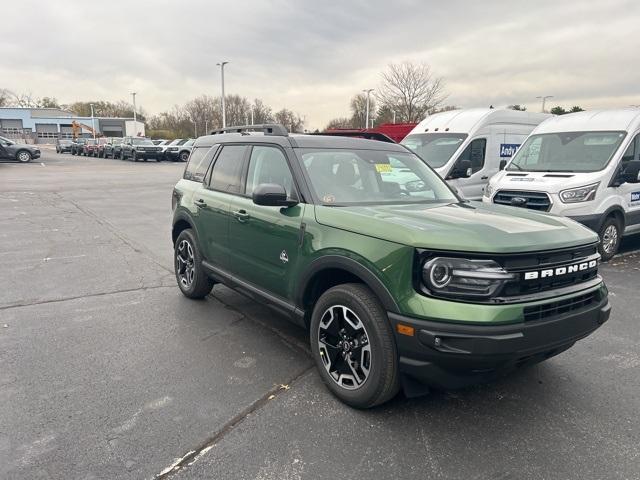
(267, 129)
(381, 137)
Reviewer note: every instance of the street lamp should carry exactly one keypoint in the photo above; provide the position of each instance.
(221, 65)
(368, 92)
(135, 120)
(93, 122)
(394, 115)
(544, 100)
(251, 108)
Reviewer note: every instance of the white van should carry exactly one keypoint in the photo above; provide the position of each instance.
(585, 166)
(466, 146)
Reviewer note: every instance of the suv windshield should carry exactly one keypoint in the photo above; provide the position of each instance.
(566, 152)
(351, 177)
(141, 141)
(434, 148)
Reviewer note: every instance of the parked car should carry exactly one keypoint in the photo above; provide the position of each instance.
(110, 146)
(179, 151)
(90, 147)
(585, 166)
(99, 150)
(136, 148)
(20, 152)
(78, 145)
(63, 145)
(397, 287)
(466, 146)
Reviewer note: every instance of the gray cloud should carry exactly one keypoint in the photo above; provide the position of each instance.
(313, 56)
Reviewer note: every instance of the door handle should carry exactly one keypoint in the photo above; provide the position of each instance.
(484, 178)
(241, 215)
(200, 203)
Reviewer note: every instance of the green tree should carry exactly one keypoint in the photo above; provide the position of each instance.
(576, 108)
(558, 110)
(358, 106)
(519, 108)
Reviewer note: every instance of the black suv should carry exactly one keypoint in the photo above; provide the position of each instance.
(136, 148)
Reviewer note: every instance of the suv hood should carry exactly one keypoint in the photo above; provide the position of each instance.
(465, 227)
(550, 182)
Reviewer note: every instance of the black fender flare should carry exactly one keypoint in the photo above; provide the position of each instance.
(355, 268)
(609, 211)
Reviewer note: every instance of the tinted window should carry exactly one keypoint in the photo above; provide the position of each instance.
(198, 164)
(226, 171)
(475, 153)
(268, 165)
(632, 151)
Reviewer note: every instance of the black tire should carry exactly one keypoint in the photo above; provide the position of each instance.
(610, 235)
(201, 284)
(184, 156)
(24, 156)
(382, 381)
(134, 156)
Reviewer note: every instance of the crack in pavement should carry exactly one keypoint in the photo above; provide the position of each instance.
(193, 455)
(90, 295)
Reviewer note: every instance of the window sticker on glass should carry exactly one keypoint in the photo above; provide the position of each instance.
(383, 168)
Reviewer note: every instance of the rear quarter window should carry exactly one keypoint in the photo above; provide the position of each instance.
(199, 162)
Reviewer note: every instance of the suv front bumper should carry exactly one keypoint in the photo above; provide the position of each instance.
(447, 355)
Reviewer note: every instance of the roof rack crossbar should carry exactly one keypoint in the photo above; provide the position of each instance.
(267, 128)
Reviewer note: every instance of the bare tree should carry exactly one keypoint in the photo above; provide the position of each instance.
(205, 112)
(342, 122)
(261, 113)
(292, 121)
(359, 109)
(411, 90)
(5, 97)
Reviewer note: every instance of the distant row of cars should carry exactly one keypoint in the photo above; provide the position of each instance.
(128, 148)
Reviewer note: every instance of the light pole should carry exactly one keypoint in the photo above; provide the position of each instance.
(394, 116)
(93, 122)
(251, 108)
(135, 118)
(206, 126)
(224, 119)
(544, 100)
(195, 128)
(368, 92)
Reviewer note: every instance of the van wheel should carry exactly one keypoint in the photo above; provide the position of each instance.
(191, 277)
(353, 346)
(610, 235)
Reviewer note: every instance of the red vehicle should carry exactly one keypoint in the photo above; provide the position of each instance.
(89, 148)
(99, 150)
(386, 132)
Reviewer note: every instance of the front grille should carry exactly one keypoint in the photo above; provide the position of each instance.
(534, 200)
(557, 308)
(547, 260)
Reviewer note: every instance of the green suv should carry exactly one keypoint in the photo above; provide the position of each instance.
(399, 282)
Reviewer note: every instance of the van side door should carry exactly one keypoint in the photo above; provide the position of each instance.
(630, 191)
(472, 186)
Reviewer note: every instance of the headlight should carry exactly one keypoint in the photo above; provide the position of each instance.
(580, 194)
(460, 278)
(488, 190)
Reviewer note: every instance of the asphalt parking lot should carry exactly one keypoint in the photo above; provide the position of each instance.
(107, 371)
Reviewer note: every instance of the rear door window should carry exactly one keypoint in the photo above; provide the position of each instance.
(226, 174)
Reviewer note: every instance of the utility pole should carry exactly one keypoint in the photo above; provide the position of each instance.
(544, 100)
(251, 108)
(368, 92)
(206, 126)
(224, 119)
(135, 118)
(394, 116)
(93, 122)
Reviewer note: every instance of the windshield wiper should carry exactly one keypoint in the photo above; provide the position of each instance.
(515, 165)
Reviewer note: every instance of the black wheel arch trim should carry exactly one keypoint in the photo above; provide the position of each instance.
(352, 266)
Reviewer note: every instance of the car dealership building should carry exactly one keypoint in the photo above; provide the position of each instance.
(45, 125)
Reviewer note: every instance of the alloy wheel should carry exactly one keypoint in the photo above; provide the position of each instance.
(185, 263)
(610, 239)
(344, 347)
(24, 157)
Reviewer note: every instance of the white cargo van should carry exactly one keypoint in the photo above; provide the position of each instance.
(585, 166)
(466, 146)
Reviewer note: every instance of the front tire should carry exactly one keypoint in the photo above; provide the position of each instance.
(610, 235)
(184, 156)
(353, 346)
(23, 156)
(191, 277)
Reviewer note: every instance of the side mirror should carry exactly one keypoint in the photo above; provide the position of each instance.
(462, 170)
(272, 195)
(503, 163)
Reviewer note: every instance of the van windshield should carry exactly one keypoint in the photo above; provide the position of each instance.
(434, 148)
(567, 152)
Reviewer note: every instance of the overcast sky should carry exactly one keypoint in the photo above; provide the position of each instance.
(312, 56)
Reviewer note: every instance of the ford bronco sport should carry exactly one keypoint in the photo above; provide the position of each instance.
(399, 282)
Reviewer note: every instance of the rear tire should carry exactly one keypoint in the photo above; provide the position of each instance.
(191, 277)
(363, 373)
(610, 235)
